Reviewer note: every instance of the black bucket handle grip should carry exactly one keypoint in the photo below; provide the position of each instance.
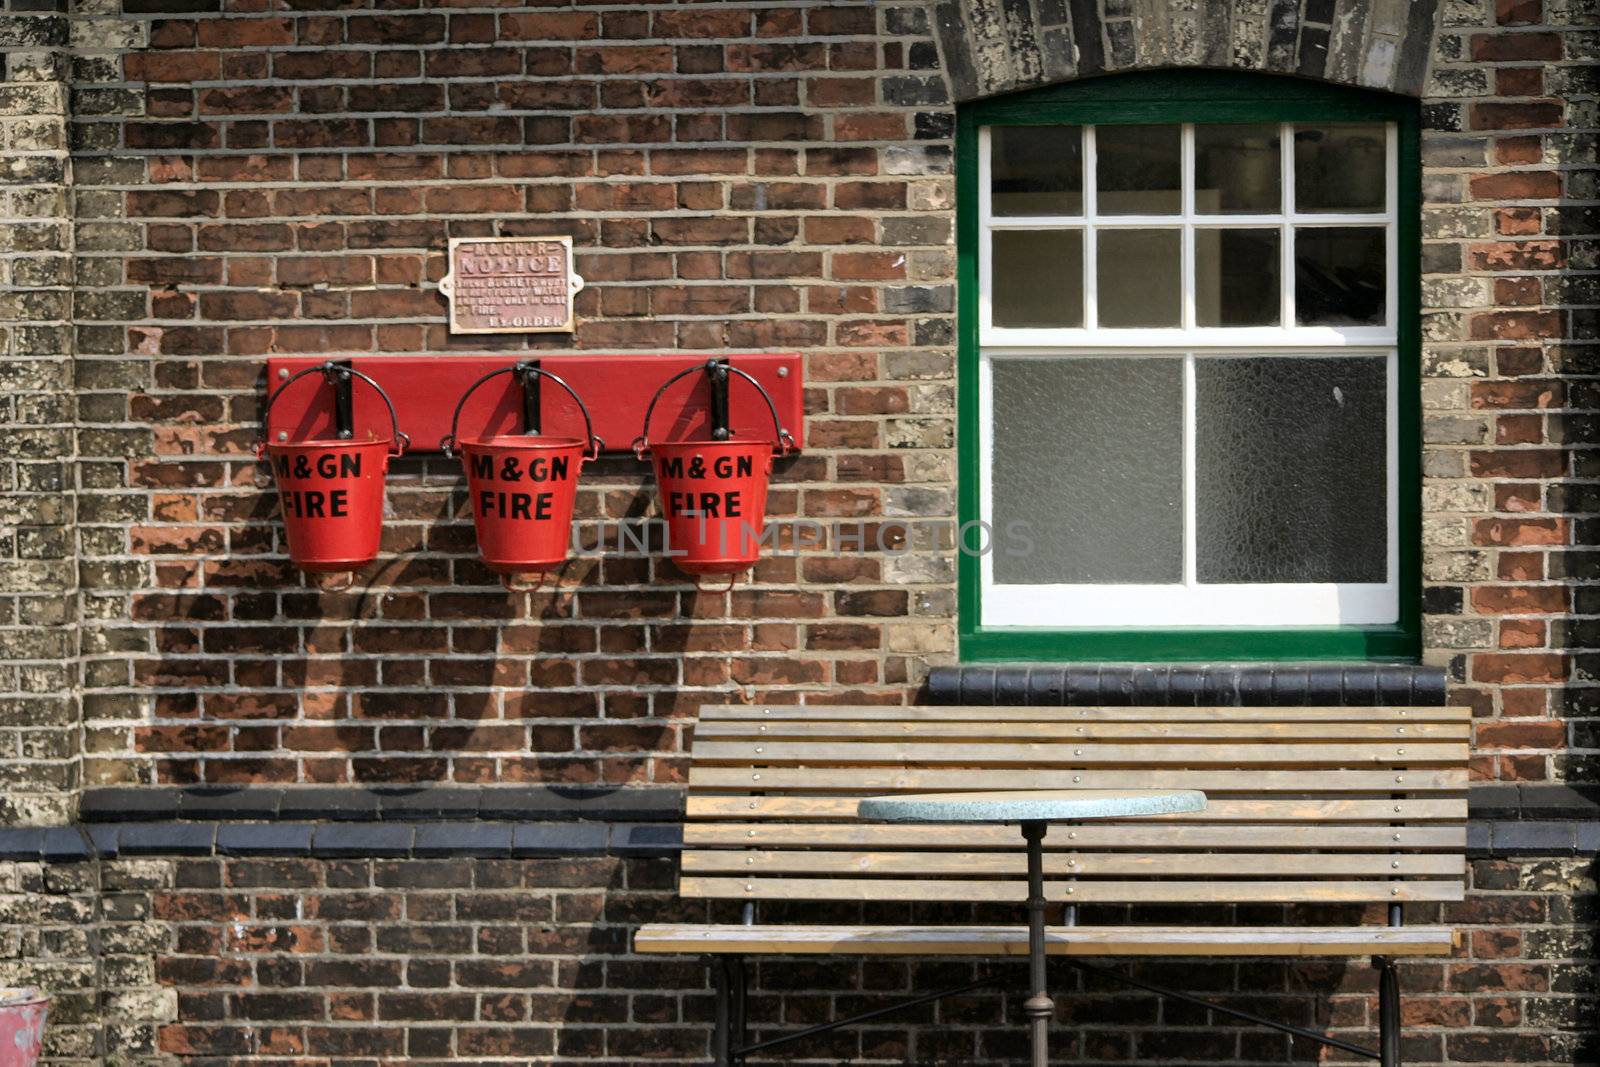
(783, 444)
(332, 372)
(521, 368)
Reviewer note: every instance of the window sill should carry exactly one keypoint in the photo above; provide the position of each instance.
(1387, 643)
(1214, 684)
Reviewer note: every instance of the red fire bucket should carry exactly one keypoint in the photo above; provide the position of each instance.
(22, 1018)
(331, 490)
(523, 486)
(714, 493)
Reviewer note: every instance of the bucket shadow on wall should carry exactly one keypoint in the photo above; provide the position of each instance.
(424, 670)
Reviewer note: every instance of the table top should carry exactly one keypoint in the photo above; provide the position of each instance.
(1031, 805)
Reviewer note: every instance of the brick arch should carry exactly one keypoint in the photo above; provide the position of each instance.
(1001, 46)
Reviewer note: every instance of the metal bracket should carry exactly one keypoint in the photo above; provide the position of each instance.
(1235, 1013)
(731, 996)
(425, 389)
(717, 373)
(531, 424)
(344, 419)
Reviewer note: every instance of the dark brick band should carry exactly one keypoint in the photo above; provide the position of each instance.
(1227, 685)
(1488, 802)
(504, 803)
(508, 840)
(1530, 819)
(340, 840)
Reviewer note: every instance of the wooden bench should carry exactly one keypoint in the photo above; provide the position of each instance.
(1364, 807)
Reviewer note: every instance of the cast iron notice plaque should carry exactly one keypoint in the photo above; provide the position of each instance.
(510, 285)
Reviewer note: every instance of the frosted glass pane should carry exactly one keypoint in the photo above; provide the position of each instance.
(1290, 469)
(1339, 167)
(1139, 170)
(1236, 277)
(1140, 277)
(1236, 169)
(1036, 170)
(1038, 278)
(1089, 453)
(1339, 276)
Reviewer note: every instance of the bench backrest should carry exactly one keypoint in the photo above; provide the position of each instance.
(1305, 804)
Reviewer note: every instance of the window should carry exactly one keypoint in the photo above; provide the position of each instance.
(1188, 375)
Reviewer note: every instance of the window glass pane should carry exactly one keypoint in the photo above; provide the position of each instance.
(1236, 277)
(1339, 276)
(1089, 453)
(1036, 170)
(1340, 167)
(1139, 170)
(1038, 278)
(1290, 471)
(1140, 278)
(1236, 169)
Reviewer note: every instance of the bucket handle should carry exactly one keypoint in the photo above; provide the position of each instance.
(332, 372)
(785, 442)
(448, 445)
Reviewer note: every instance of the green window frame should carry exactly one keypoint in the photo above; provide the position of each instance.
(1168, 97)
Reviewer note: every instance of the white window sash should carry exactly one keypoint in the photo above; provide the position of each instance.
(1189, 603)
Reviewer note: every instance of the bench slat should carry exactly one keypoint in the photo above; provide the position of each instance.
(1087, 892)
(1159, 733)
(865, 780)
(1303, 804)
(1130, 835)
(921, 713)
(1218, 809)
(1077, 754)
(1059, 940)
(1070, 864)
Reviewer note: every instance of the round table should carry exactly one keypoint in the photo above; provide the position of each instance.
(1034, 810)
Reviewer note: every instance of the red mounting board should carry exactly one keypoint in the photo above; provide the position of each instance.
(617, 389)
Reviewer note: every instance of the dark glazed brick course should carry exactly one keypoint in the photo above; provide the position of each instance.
(69, 844)
(1226, 685)
(403, 804)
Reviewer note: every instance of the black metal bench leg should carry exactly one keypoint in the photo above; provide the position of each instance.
(741, 1035)
(727, 974)
(1388, 1013)
(720, 1042)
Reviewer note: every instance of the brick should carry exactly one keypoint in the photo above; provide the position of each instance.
(1517, 185)
(1521, 733)
(1514, 47)
(174, 67)
(1516, 325)
(1520, 531)
(1519, 600)
(362, 840)
(283, 839)
(1514, 668)
(1519, 116)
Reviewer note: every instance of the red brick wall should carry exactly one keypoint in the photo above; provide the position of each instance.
(264, 182)
(253, 182)
(1510, 230)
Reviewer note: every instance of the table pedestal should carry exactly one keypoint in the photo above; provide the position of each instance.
(1039, 1008)
(1035, 810)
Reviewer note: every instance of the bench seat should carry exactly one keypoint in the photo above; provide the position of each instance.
(1360, 811)
(1059, 940)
